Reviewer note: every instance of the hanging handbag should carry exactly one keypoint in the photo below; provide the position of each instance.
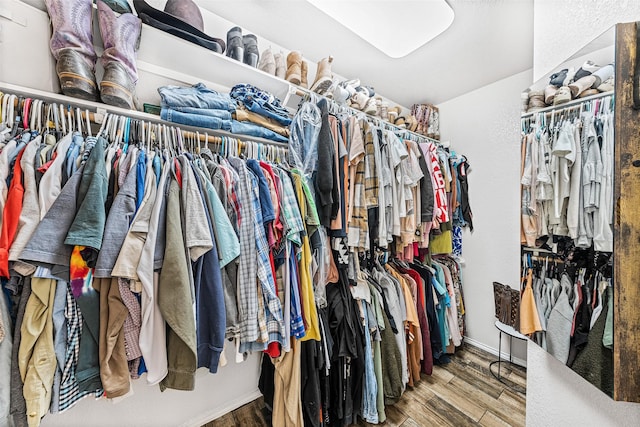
(507, 304)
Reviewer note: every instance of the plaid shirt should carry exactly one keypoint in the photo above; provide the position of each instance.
(247, 268)
(370, 170)
(358, 229)
(131, 327)
(290, 209)
(273, 308)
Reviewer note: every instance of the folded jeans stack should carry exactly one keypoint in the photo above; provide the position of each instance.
(200, 106)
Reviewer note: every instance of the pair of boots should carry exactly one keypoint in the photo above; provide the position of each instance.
(242, 48)
(273, 63)
(297, 70)
(72, 46)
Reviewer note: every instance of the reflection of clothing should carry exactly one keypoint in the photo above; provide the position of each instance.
(529, 320)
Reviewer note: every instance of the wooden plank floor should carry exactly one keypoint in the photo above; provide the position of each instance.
(461, 393)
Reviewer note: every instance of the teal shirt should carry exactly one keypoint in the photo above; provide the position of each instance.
(226, 238)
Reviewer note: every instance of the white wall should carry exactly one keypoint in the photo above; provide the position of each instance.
(214, 395)
(484, 125)
(555, 394)
(560, 28)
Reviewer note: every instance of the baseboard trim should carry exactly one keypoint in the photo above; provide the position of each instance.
(218, 412)
(494, 351)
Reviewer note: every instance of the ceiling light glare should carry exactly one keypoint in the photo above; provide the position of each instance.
(395, 27)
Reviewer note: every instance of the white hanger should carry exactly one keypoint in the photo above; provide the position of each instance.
(63, 119)
(88, 121)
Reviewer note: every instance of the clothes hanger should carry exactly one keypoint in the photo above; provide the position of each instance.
(33, 115)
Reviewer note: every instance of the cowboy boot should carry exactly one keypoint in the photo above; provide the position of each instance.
(121, 38)
(294, 68)
(323, 79)
(72, 46)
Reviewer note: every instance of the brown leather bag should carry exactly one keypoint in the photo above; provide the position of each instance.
(507, 304)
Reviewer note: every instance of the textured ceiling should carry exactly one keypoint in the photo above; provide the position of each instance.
(488, 40)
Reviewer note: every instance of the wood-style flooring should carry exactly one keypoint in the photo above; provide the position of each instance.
(461, 393)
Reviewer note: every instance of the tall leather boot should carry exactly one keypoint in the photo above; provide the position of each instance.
(294, 67)
(121, 38)
(72, 46)
(235, 46)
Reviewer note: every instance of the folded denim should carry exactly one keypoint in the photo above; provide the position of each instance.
(211, 122)
(196, 96)
(243, 115)
(197, 120)
(261, 102)
(221, 114)
(250, 129)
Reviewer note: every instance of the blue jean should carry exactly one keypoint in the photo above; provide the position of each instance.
(196, 96)
(251, 129)
(370, 386)
(211, 122)
(197, 120)
(221, 114)
(261, 102)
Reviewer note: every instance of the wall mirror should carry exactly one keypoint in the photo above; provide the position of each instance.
(580, 230)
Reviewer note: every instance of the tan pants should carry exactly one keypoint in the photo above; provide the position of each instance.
(243, 115)
(287, 406)
(36, 355)
(114, 369)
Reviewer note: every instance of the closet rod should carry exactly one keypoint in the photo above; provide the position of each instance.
(537, 250)
(570, 104)
(301, 92)
(99, 109)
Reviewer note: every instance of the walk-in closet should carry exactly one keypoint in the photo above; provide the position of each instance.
(319, 213)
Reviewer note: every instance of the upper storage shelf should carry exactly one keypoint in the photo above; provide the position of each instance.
(162, 59)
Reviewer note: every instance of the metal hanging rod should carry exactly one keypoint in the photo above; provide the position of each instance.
(567, 105)
(97, 111)
(302, 92)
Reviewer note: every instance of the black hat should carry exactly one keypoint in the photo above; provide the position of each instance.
(181, 18)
